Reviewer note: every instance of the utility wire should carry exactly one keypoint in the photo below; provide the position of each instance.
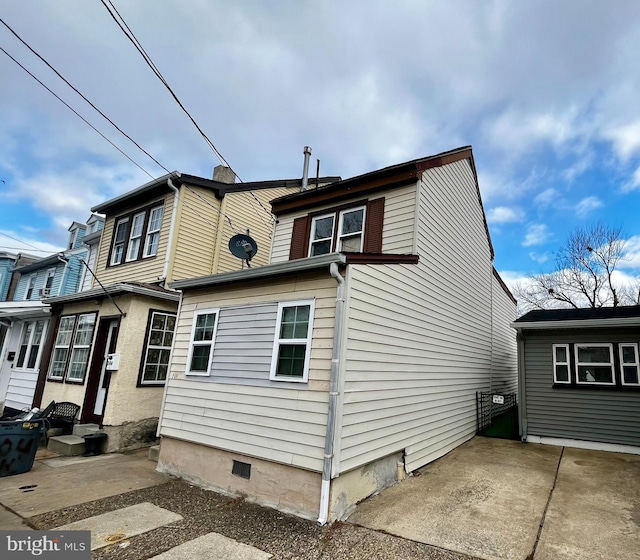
(77, 114)
(23, 242)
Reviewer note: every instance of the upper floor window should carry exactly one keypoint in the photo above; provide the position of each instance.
(129, 233)
(353, 228)
(31, 284)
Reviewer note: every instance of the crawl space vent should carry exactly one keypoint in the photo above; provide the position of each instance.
(243, 470)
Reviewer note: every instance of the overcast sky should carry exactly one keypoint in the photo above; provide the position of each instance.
(546, 92)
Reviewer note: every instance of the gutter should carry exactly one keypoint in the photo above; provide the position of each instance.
(174, 212)
(333, 396)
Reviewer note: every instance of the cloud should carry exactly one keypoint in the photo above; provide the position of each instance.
(537, 234)
(625, 139)
(631, 258)
(633, 184)
(588, 205)
(547, 197)
(504, 214)
(539, 258)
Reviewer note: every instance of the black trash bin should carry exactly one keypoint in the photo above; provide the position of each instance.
(93, 443)
(18, 445)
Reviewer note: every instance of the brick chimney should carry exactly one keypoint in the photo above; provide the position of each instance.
(223, 174)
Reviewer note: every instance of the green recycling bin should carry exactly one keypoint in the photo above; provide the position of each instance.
(19, 441)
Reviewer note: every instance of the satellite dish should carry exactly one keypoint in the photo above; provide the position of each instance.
(243, 246)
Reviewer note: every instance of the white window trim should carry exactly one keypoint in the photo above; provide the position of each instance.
(633, 345)
(150, 232)
(597, 364)
(56, 346)
(31, 285)
(340, 221)
(148, 347)
(73, 346)
(133, 237)
(300, 341)
(115, 242)
(556, 363)
(192, 344)
(311, 234)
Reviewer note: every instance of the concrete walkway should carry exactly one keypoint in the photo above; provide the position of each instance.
(497, 499)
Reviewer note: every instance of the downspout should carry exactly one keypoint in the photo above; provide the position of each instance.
(64, 259)
(333, 396)
(522, 389)
(174, 212)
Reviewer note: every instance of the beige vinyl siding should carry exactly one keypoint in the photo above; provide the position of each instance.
(247, 213)
(419, 344)
(283, 422)
(397, 231)
(504, 361)
(144, 270)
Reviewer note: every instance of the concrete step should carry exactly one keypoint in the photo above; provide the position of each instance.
(66, 445)
(84, 429)
(154, 453)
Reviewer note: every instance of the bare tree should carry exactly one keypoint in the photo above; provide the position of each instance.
(583, 275)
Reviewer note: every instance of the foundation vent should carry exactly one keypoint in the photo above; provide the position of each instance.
(243, 470)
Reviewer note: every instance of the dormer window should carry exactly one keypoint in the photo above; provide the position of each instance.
(353, 228)
(136, 236)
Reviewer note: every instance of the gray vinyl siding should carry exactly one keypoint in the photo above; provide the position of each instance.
(419, 344)
(504, 358)
(583, 413)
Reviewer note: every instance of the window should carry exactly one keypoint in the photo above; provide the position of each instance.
(350, 236)
(202, 338)
(119, 238)
(561, 366)
(292, 345)
(594, 364)
(153, 232)
(50, 276)
(30, 342)
(353, 228)
(72, 347)
(136, 236)
(629, 364)
(31, 283)
(159, 341)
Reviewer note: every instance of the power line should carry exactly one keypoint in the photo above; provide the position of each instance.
(77, 114)
(23, 242)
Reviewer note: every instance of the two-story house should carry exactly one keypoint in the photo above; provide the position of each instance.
(355, 356)
(109, 346)
(28, 315)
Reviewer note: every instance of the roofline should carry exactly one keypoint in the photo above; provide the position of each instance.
(103, 207)
(506, 289)
(267, 271)
(44, 261)
(577, 323)
(112, 290)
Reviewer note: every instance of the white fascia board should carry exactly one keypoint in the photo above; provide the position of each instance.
(577, 324)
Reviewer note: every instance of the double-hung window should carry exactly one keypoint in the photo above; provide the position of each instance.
(321, 235)
(137, 225)
(72, 347)
(30, 343)
(629, 365)
(203, 335)
(292, 345)
(119, 238)
(153, 232)
(594, 364)
(348, 237)
(561, 366)
(351, 230)
(31, 284)
(136, 236)
(156, 358)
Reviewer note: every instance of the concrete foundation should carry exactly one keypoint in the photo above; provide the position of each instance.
(131, 435)
(281, 487)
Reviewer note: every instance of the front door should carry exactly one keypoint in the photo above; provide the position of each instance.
(95, 397)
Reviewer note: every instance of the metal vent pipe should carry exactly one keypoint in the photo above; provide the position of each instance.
(305, 169)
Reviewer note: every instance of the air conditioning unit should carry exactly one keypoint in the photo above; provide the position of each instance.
(45, 292)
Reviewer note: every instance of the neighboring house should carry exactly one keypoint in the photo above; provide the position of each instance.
(312, 382)
(579, 377)
(91, 240)
(109, 347)
(27, 316)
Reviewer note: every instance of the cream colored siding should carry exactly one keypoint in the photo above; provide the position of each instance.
(249, 211)
(144, 270)
(397, 231)
(283, 422)
(419, 344)
(504, 378)
(196, 233)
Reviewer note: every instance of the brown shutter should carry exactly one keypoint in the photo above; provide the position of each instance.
(300, 238)
(373, 227)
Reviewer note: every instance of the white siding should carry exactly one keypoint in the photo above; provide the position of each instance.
(504, 361)
(22, 386)
(397, 231)
(419, 344)
(237, 408)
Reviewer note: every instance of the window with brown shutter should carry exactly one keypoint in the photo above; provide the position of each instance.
(347, 222)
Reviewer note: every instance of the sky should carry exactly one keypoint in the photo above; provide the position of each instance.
(547, 93)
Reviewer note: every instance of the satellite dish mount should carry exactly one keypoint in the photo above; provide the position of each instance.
(243, 246)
